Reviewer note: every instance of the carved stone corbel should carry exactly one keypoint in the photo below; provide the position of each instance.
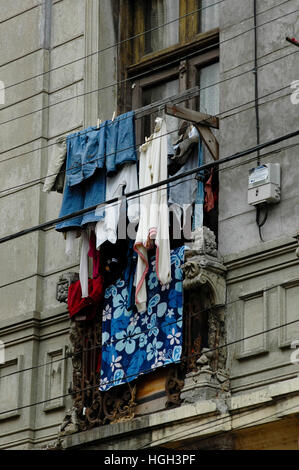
(204, 279)
(62, 286)
(203, 266)
(70, 423)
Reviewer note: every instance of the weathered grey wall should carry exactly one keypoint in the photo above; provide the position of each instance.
(37, 36)
(253, 266)
(33, 325)
(237, 228)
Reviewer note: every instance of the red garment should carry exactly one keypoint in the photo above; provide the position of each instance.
(95, 254)
(99, 362)
(88, 305)
(211, 196)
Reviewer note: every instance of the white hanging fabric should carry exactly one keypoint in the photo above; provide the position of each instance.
(83, 272)
(71, 236)
(154, 216)
(55, 164)
(126, 178)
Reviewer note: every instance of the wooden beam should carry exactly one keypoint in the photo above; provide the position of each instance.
(192, 116)
(210, 140)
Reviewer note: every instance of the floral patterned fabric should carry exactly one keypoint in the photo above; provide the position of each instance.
(136, 343)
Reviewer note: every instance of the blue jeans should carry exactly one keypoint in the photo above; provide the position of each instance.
(120, 142)
(89, 153)
(85, 177)
(87, 150)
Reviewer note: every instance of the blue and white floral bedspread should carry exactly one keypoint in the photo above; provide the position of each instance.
(136, 343)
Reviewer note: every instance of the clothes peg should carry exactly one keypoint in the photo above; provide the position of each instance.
(99, 122)
(113, 117)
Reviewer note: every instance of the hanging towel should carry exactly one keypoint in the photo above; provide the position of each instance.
(136, 343)
(153, 226)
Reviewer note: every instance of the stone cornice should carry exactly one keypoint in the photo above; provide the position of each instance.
(32, 321)
(282, 253)
(259, 253)
(197, 420)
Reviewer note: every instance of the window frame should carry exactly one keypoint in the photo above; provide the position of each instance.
(132, 63)
(185, 71)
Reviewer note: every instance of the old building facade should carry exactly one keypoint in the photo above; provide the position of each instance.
(63, 65)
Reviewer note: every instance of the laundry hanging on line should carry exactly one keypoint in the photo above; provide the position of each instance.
(153, 229)
(90, 155)
(101, 165)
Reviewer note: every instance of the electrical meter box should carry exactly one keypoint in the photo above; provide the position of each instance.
(264, 184)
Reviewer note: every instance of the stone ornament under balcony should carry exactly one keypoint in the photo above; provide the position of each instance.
(203, 266)
(205, 384)
(204, 242)
(62, 286)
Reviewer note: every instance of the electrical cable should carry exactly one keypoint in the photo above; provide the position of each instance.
(42, 178)
(169, 100)
(112, 205)
(144, 73)
(70, 355)
(209, 309)
(147, 371)
(271, 153)
(221, 418)
(259, 208)
(150, 187)
(98, 52)
(256, 89)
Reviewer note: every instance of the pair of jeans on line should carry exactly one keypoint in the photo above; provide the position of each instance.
(93, 154)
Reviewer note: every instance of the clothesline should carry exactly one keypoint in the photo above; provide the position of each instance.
(76, 166)
(171, 179)
(157, 106)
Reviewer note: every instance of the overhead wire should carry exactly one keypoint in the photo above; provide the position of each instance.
(146, 371)
(271, 153)
(220, 170)
(42, 178)
(209, 309)
(99, 51)
(146, 72)
(169, 99)
(223, 420)
(150, 187)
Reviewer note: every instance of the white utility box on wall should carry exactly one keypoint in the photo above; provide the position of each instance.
(264, 184)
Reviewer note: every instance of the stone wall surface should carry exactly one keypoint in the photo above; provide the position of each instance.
(262, 277)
